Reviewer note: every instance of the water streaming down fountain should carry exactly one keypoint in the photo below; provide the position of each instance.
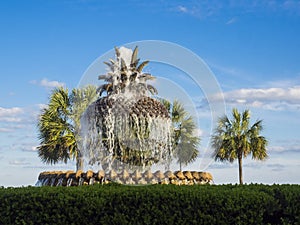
(127, 129)
(125, 132)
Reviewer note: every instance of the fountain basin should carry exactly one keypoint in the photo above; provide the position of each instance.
(72, 178)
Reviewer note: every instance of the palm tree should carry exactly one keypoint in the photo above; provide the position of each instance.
(235, 139)
(184, 141)
(57, 142)
(59, 124)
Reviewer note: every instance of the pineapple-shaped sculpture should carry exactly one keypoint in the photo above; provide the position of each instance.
(126, 127)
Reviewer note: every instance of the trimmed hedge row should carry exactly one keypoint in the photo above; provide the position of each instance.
(152, 204)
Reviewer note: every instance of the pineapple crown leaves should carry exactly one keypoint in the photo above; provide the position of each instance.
(124, 76)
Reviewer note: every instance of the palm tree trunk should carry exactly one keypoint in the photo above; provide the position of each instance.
(180, 165)
(79, 162)
(240, 157)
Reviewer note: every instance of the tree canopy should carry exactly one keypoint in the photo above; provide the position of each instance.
(235, 139)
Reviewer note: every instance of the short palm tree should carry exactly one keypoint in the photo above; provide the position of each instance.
(185, 142)
(235, 139)
(59, 124)
(57, 142)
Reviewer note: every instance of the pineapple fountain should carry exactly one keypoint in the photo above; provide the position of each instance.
(125, 131)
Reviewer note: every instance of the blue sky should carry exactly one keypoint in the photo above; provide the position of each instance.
(252, 47)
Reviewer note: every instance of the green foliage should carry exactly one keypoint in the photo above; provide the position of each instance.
(185, 142)
(55, 131)
(59, 123)
(234, 139)
(153, 204)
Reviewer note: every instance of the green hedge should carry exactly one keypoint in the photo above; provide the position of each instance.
(153, 204)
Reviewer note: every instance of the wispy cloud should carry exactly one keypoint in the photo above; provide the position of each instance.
(10, 114)
(254, 165)
(19, 162)
(222, 165)
(199, 9)
(288, 148)
(231, 21)
(206, 9)
(5, 130)
(291, 5)
(28, 148)
(183, 9)
(10, 111)
(47, 83)
(8, 127)
(17, 118)
(276, 167)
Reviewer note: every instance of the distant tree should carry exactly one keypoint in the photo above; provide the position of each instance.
(185, 142)
(235, 139)
(59, 123)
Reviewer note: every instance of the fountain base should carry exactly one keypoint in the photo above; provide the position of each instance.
(71, 178)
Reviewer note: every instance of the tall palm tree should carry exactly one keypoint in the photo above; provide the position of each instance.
(184, 141)
(59, 124)
(234, 139)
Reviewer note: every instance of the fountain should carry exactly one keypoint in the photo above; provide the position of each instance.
(125, 131)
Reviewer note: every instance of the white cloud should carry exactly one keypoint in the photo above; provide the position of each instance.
(10, 114)
(267, 98)
(48, 84)
(10, 111)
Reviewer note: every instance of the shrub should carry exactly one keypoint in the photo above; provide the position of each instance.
(152, 204)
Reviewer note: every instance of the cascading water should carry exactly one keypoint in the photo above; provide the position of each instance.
(126, 129)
